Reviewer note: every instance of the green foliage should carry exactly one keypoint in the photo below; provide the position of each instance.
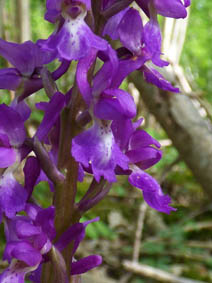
(197, 57)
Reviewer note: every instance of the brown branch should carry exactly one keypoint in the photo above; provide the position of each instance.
(139, 231)
(155, 273)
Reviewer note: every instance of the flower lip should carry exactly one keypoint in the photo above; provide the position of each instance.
(73, 10)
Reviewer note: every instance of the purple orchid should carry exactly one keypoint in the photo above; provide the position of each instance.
(12, 134)
(74, 39)
(29, 240)
(142, 151)
(25, 57)
(144, 44)
(167, 8)
(89, 129)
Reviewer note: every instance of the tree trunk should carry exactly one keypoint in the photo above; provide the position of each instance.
(23, 20)
(189, 132)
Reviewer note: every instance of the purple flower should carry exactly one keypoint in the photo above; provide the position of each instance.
(96, 147)
(167, 8)
(25, 57)
(142, 151)
(74, 39)
(12, 135)
(144, 44)
(152, 191)
(12, 195)
(29, 239)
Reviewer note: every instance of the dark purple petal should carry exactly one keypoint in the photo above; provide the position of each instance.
(81, 235)
(22, 108)
(52, 113)
(115, 104)
(187, 3)
(71, 234)
(152, 191)
(122, 137)
(104, 76)
(144, 157)
(9, 79)
(25, 57)
(172, 9)
(83, 66)
(53, 10)
(166, 8)
(130, 31)
(81, 173)
(125, 68)
(12, 125)
(35, 276)
(111, 27)
(42, 243)
(25, 229)
(152, 41)
(97, 147)
(154, 77)
(141, 138)
(45, 219)
(31, 173)
(23, 251)
(7, 157)
(12, 195)
(85, 264)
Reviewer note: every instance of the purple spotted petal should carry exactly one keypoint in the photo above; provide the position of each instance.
(130, 31)
(115, 104)
(85, 264)
(97, 147)
(9, 79)
(11, 124)
(144, 157)
(154, 77)
(12, 195)
(152, 191)
(74, 40)
(16, 272)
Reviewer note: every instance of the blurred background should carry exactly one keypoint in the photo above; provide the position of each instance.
(137, 243)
